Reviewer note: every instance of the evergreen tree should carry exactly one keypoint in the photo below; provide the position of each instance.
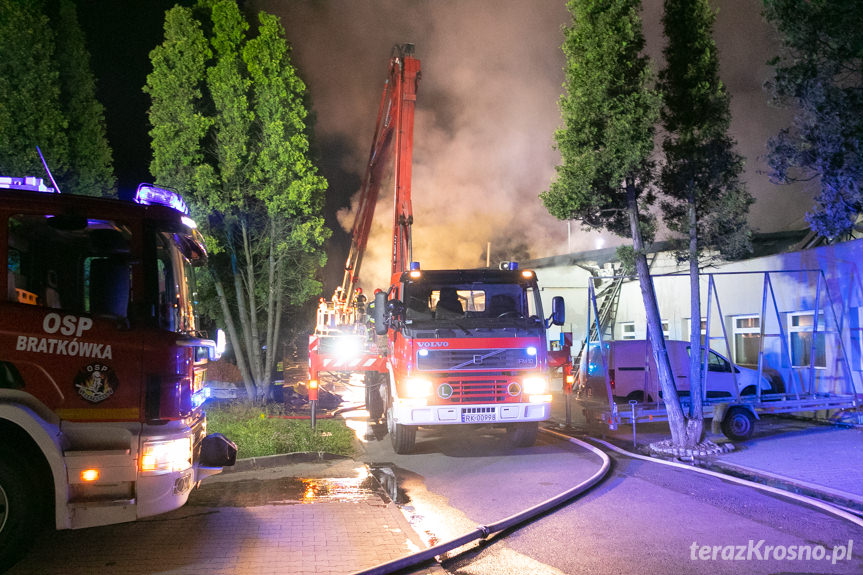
(30, 112)
(91, 170)
(609, 112)
(48, 99)
(820, 74)
(229, 131)
(707, 202)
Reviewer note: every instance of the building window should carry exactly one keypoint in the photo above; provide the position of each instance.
(747, 339)
(689, 329)
(800, 336)
(627, 330)
(665, 332)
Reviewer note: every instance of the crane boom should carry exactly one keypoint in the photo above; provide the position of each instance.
(393, 139)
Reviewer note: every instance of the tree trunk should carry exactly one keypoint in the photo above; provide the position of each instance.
(272, 320)
(253, 339)
(236, 342)
(695, 426)
(677, 421)
(245, 344)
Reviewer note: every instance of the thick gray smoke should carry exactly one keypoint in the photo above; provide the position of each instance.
(486, 113)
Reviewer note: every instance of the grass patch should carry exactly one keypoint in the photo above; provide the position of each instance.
(257, 435)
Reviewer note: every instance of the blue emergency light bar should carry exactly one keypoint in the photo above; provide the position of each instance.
(148, 195)
(415, 266)
(26, 183)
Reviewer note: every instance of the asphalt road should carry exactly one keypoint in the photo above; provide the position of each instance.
(645, 518)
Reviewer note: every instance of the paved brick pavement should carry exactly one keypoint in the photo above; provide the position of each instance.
(343, 530)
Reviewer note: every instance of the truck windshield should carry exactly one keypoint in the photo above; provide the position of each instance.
(176, 258)
(70, 263)
(470, 303)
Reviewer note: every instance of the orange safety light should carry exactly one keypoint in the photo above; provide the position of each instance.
(90, 475)
(313, 390)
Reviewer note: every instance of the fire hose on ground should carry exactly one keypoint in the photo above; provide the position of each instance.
(485, 531)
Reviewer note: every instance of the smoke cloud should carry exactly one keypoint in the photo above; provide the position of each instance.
(486, 114)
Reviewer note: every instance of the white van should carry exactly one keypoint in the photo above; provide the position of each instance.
(632, 372)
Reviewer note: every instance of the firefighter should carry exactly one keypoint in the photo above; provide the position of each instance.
(322, 314)
(360, 306)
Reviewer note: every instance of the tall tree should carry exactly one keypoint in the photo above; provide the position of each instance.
(229, 130)
(707, 202)
(820, 73)
(30, 113)
(48, 98)
(91, 170)
(609, 112)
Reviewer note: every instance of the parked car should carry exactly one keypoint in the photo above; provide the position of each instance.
(633, 376)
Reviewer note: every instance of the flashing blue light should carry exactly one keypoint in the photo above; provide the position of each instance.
(415, 266)
(26, 183)
(200, 396)
(531, 351)
(148, 195)
(513, 266)
(423, 352)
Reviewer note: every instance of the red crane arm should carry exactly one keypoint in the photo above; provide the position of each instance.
(393, 137)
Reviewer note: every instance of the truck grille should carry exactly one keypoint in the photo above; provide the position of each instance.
(482, 390)
(475, 360)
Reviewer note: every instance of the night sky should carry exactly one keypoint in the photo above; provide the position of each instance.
(486, 112)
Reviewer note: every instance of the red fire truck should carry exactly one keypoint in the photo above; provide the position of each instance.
(463, 346)
(101, 361)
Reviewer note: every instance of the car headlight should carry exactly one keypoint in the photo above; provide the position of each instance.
(535, 385)
(164, 456)
(418, 387)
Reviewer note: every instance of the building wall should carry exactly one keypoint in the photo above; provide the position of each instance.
(826, 278)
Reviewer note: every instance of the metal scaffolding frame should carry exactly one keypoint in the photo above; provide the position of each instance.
(801, 395)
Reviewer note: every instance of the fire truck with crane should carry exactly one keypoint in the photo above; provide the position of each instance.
(462, 346)
(101, 361)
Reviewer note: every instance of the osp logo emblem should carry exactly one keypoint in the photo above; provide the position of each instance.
(433, 343)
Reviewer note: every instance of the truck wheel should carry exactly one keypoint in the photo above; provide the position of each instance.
(403, 437)
(21, 509)
(739, 423)
(523, 434)
(374, 400)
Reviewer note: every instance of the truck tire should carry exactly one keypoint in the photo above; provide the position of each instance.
(21, 508)
(403, 437)
(523, 434)
(374, 399)
(738, 424)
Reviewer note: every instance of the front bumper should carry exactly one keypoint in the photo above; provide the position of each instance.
(489, 413)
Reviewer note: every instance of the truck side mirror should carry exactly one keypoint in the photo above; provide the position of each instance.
(379, 313)
(558, 310)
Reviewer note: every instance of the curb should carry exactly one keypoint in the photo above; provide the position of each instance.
(840, 498)
(849, 501)
(268, 461)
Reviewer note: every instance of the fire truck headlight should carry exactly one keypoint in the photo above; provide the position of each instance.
(535, 385)
(164, 456)
(417, 387)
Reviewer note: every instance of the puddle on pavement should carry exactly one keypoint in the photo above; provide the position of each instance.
(392, 480)
(285, 491)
